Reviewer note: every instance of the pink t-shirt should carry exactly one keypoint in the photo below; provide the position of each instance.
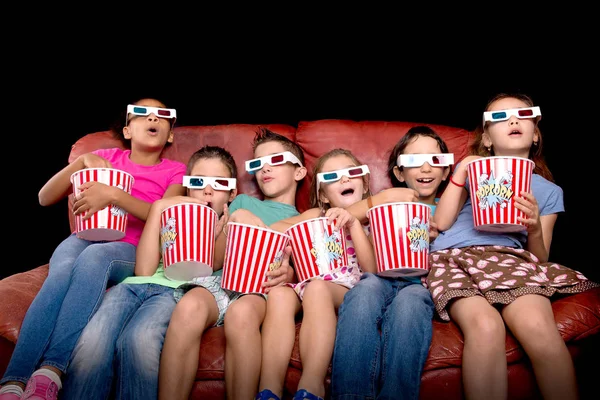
(150, 183)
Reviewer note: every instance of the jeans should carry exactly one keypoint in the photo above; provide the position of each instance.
(120, 347)
(79, 273)
(390, 322)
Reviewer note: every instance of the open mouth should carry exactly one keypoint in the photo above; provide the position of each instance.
(348, 192)
(209, 204)
(515, 132)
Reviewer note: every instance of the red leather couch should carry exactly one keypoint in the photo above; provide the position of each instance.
(577, 316)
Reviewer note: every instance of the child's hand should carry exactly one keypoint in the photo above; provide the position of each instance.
(527, 203)
(94, 196)
(222, 222)
(433, 231)
(393, 195)
(91, 160)
(281, 275)
(243, 216)
(341, 217)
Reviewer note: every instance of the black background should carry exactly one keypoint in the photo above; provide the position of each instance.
(80, 94)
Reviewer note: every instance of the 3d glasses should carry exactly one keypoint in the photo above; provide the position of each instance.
(145, 110)
(273, 159)
(200, 182)
(416, 160)
(503, 115)
(332, 176)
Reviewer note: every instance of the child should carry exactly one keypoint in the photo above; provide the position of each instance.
(340, 180)
(389, 319)
(486, 280)
(81, 270)
(279, 167)
(128, 330)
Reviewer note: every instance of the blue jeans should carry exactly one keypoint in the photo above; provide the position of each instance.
(79, 273)
(389, 321)
(120, 347)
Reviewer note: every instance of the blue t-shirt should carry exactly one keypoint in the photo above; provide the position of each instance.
(462, 233)
(268, 211)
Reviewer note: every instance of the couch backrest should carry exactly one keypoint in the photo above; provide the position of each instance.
(370, 141)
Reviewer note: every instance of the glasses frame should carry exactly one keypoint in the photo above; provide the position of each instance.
(288, 156)
(403, 160)
(489, 115)
(209, 180)
(150, 110)
(340, 173)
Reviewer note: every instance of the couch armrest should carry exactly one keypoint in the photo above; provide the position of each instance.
(17, 292)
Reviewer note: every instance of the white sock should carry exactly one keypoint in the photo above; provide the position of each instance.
(50, 374)
(13, 389)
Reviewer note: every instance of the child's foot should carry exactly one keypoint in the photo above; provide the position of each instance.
(303, 394)
(266, 395)
(11, 392)
(40, 387)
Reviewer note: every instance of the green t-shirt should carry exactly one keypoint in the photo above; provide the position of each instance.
(158, 278)
(268, 211)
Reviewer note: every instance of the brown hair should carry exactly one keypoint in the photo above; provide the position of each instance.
(314, 189)
(535, 152)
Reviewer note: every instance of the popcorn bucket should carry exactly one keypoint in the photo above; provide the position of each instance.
(400, 234)
(316, 248)
(493, 183)
(250, 252)
(109, 223)
(187, 240)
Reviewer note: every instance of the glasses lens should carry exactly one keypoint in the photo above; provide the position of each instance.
(255, 163)
(355, 171)
(222, 182)
(330, 176)
(196, 182)
(499, 115)
(278, 159)
(140, 110)
(525, 113)
(164, 113)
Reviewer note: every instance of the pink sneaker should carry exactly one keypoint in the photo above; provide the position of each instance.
(9, 396)
(40, 387)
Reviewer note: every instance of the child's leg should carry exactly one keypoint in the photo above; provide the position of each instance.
(531, 320)
(484, 354)
(278, 335)
(406, 330)
(40, 318)
(317, 334)
(196, 311)
(243, 346)
(139, 346)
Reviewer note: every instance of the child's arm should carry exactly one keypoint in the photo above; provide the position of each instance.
(285, 224)
(454, 197)
(362, 244)
(539, 228)
(391, 195)
(148, 251)
(220, 240)
(60, 186)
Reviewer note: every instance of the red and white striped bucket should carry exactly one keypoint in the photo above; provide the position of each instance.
(110, 223)
(187, 240)
(251, 251)
(316, 247)
(493, 184)
(400, 234)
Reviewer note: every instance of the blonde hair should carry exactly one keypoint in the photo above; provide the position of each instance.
(314, 188)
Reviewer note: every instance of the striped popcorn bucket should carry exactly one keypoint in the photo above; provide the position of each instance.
(317, 248)
(493, 184)
(250, 252)
(109, 223)
(400, 234)
(187, 240)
